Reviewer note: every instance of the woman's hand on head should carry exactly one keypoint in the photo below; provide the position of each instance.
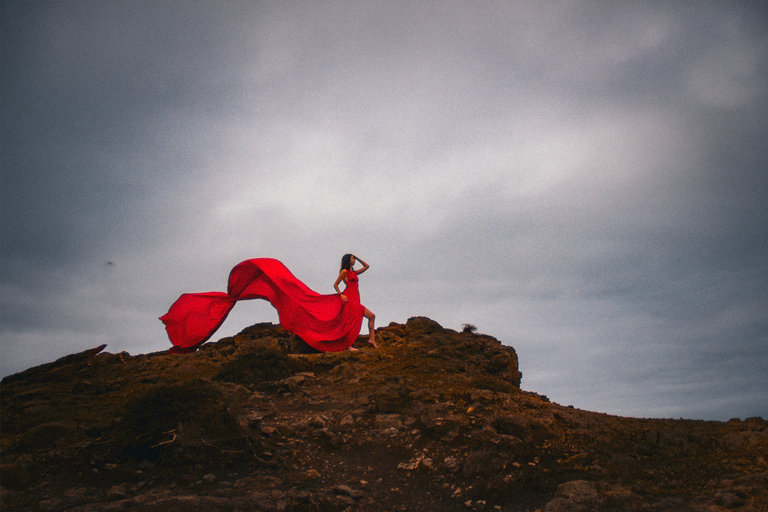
(364, 264)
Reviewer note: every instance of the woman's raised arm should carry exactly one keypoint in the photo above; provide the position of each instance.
(364, 264)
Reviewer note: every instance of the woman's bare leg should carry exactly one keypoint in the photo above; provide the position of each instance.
(371, 329)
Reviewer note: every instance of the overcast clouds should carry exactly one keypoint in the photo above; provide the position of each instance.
(585, 181)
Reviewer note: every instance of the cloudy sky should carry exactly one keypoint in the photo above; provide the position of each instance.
(585, 181)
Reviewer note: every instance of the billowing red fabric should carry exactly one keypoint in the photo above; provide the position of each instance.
(325, 322)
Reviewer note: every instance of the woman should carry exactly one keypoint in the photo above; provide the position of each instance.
(330, 323)
(351, 292)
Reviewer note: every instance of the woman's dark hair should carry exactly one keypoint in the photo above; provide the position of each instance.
(345, 262)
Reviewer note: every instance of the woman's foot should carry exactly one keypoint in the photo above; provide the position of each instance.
(353, 349)
(372, 341)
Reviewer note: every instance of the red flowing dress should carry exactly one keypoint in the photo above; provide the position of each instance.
(324, 322)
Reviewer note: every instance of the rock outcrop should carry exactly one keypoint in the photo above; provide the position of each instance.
(433, 420)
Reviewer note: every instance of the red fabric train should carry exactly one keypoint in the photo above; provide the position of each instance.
(324, 322)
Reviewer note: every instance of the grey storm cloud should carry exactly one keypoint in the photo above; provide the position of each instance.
(583, 180)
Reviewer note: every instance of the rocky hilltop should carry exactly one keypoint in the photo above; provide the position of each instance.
(433, 420)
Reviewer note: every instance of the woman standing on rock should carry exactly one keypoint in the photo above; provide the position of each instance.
(330, 323)
(351, 295)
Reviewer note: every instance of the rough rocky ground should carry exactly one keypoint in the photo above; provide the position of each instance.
(433, 420)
